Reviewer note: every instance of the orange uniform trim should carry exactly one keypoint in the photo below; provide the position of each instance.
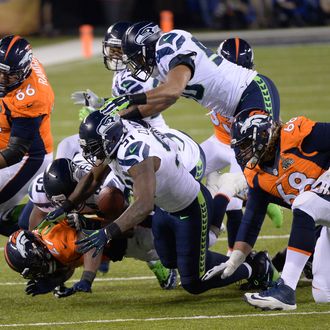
(299, 251)
(237, 48)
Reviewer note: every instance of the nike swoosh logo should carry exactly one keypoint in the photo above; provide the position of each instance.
(184, 217)
(125, 85)
(166, 38)
(131, 150)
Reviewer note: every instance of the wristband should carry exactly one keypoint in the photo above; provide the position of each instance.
(67, 205)
(112, 231)
(140, 98)
(134, 114)
(88, 276)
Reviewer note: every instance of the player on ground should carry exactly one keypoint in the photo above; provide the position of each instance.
(26, 143)
(285, 164)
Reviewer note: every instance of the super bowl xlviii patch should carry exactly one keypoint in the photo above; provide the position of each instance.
(286, 162)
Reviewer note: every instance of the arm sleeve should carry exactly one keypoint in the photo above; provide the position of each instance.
(253, 217)
(318, 139)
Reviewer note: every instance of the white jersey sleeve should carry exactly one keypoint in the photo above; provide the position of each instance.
(37, 195)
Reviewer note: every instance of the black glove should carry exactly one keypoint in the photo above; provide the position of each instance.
(39, 286)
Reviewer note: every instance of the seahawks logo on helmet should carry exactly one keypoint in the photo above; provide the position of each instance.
(255, 120)
(145, 33)
(104, 124)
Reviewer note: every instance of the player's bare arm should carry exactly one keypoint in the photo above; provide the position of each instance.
(143, 175)
(89, 184)
(166, 94)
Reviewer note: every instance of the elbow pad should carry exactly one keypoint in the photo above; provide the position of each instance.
(16, 149)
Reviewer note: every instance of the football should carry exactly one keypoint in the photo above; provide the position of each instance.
(111, 202)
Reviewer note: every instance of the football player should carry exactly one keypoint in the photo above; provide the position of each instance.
(147, 162)
(286, 164)
(58, 182)
(26, 102)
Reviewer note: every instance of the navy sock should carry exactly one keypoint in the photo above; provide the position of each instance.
(220, 203)
(234, 218)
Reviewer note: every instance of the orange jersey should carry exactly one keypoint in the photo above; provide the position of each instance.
(60, 240)
(221, 127)
(33, 98)
(296, 171)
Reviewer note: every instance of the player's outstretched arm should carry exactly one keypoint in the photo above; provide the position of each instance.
(143, 176)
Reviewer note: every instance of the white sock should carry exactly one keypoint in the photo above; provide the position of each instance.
(294, 264)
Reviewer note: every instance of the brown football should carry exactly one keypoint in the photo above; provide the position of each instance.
(111, 202)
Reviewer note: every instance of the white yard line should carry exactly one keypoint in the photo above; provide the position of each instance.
(160, 319)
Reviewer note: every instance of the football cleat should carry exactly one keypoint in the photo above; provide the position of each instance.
(275, 213)
(167, 278)
(263, 271)
(278, 297)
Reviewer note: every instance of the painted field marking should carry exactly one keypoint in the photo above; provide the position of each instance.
(160, 319)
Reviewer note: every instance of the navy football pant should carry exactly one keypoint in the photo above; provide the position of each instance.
(181, 241)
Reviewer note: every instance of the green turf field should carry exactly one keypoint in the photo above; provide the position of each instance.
(129, 296)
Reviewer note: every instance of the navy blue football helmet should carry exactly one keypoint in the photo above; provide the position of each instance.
(251, 133)
(113, 136)
(26, 254)
(59, 180)
(15, 62)
(91, 132)
(139, 48)
(238, 51)
(112, 53)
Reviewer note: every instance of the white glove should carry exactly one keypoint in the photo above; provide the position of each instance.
(87, 98)
(227, 268)
(322, 184)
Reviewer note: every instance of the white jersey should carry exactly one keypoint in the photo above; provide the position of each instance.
(124, 83)
(188, 149)
(68, 147)
(217, 84)
(175, 186)
(38, 196)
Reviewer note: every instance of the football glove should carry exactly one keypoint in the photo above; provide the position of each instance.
(94, 239)
(113, 105)
(56, 216)
(87, 98)
(59, 213)
(84, 112)
(39, 286)
(76, 221)
(226, 269)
